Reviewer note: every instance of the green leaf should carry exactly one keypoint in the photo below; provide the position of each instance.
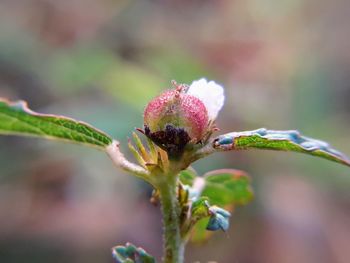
(219, 217)
(17, 119)
(222, 187)
(206, 219)
(131, 254)
(187, 176)
(279, 140)
(227, 187)
(200, 209)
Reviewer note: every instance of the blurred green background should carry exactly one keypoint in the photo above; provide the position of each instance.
(284, 65)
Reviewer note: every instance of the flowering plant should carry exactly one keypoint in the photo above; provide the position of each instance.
(178, 130)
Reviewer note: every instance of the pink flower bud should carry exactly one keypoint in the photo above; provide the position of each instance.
(175, 118)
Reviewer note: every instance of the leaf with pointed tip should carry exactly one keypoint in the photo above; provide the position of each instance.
(278, 140)
(17, 119)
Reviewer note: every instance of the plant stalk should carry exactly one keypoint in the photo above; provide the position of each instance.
(174, 246)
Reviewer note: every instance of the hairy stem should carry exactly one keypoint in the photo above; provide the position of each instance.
(173, 243)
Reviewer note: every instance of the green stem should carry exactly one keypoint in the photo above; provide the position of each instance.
(174, 246)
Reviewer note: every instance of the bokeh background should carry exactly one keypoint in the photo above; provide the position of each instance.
(284, 64)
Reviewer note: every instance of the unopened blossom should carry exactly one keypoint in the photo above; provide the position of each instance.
(183, 115)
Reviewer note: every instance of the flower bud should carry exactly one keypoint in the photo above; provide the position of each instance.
(175, 118)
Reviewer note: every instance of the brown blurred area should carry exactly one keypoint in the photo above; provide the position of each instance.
(284, 65)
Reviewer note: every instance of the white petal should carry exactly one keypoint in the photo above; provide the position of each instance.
(210, 93)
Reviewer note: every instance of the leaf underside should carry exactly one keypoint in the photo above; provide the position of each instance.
(17, 119)
(281, 141)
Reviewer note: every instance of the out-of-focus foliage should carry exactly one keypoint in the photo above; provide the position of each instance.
(284, 65)
(221, 187)
(225, 188)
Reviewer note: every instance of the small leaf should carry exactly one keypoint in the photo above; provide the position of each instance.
(211, 218)
(227, 187)
(131, 254)
(222, 187)
(278, 140)
(17, 119)
(200, 209)
(220, 219)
